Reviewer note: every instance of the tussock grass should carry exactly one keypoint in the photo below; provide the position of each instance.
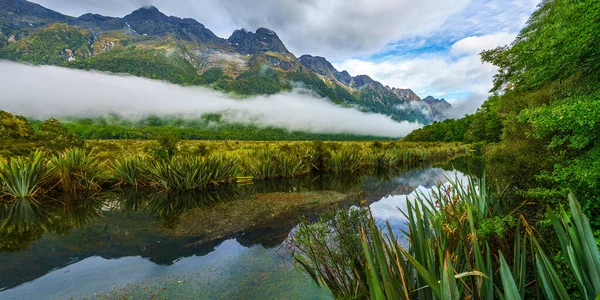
(22, 177)
(77, 170)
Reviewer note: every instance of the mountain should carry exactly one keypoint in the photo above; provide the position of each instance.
(151, 44)
(438, 106)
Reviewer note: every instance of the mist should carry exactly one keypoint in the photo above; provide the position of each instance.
(42, 92)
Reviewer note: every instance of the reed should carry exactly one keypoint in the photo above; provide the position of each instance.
(23, 177)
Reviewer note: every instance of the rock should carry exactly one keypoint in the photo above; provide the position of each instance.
(246, 42)
(405, 94)
(321, 66)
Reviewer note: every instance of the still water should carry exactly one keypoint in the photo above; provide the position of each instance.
(220, 244)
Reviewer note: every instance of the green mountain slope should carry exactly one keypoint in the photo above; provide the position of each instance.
(150, 44)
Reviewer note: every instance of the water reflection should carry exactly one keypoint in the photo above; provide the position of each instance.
(144, 228)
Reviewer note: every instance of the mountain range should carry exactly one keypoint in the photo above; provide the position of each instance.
(150, 44)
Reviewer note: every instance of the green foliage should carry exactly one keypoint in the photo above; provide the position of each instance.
(76, 170)
(330, 251)
(167, 146)
(17, 136)
(149, 63)
(56, 137)
(449, 130)
(52, 45)
(22, 177)
(269, 164)
(212, 75)
(483, 126)
(447, 257)
(571, 122)
(559, 41)
(259, 81)
(189, 173)
(130, 171)
(207, 128)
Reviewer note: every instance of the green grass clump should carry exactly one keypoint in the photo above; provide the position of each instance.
(270, 164)
(188, 173)
(76, 170)
(345, 161)
(129, 171)
(22, 177)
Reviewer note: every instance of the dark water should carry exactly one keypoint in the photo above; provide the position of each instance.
(141, 244)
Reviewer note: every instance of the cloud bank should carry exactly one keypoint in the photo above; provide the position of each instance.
(47, 91)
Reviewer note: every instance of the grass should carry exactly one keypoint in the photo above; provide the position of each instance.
(22, 177)
(76, 170)
(449, 254)
(129, 171)
(199, 165)
(188, 173)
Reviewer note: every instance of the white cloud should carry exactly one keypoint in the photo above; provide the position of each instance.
(474, 44)
(46, 91)
(459, 71)
(333, 28)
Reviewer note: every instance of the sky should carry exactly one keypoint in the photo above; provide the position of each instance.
(429, 46)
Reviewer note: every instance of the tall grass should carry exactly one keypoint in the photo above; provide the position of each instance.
(269, 164)
(76, 170)
(449, 255)
(346, 161)
(188, 173)
(129, 170)
(23, 177)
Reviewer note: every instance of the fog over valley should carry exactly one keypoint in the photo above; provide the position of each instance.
(42, 92)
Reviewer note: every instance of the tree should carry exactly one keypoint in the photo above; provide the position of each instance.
(53, 136)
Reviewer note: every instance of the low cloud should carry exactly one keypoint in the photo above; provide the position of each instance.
(46, 91)
(466, 106)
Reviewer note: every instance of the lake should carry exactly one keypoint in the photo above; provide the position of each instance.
(224, 243)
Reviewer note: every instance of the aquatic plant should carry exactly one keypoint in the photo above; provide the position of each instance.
(448, 254)
(290, 166)
(23, 177)
(129, 170)
(187, 173)
(345, 161)
(263, 165)
(76, 170)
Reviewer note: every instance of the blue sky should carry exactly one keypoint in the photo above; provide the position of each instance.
(430, 46)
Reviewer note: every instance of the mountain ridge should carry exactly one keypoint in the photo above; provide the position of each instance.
(184, 51)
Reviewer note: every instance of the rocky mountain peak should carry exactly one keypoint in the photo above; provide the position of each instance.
(263, 40)
(323, 67)
(24, 14)
(361, 80)
(405, 94)
(438, 104)
(149, 20)
(147, 13)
